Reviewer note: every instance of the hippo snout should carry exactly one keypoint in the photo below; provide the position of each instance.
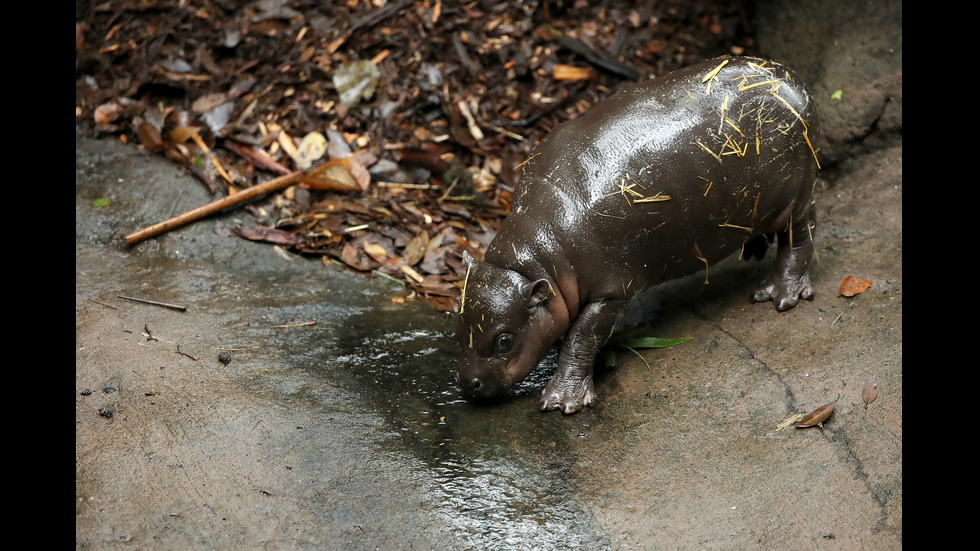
(471, 385)
(479, 387)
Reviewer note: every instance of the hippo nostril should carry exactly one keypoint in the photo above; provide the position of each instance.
(476, 384)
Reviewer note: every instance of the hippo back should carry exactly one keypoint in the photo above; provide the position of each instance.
(666, 177)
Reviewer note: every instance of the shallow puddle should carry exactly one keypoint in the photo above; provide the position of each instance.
(501, 475)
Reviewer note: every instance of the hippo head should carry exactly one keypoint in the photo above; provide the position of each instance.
(504, 326)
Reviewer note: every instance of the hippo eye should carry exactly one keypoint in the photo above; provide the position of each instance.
(504, 343)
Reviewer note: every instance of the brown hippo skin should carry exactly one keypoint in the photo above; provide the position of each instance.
(661, 180)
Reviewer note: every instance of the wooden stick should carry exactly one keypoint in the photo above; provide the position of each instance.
(179, 307)
(247, 194)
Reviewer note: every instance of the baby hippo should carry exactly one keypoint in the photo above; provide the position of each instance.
(661, 180)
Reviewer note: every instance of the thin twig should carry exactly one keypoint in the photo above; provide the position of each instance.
(155, 303)
(842, 313)
(179, 351)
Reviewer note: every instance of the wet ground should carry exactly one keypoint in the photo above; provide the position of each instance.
(350, 433)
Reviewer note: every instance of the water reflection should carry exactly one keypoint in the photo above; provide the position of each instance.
(501, 476)
(497, 503)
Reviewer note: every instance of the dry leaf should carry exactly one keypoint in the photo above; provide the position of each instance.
(183, 133)
(337, 146)
(107, 112)
(570, 72)
(207, 102)
(288, 146)
(331, 175)
(355, 258)
(148, 134)
(870, 392)
(377, 252)
(359, 172)
(817, 416)
(415, 250)
(356, 80)
(313, 146)
(417, 277)
(269, 235)
(850, 285)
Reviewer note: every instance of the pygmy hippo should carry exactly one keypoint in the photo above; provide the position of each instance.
(661, 180)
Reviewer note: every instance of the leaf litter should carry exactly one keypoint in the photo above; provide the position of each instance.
(382, 136)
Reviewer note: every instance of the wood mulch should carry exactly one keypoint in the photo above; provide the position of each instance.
(405, 118)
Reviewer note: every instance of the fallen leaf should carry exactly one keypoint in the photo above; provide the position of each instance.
(870, 392)
(208, 102)
(445, 304)
(359, 173)
(817, 416)
(417, 277)
(107, 112)
(647, 342)
(311, 148)
(356, 80)
(332, 175)
(632, 343)
(377, 252)
(148, 134)
(183, 133)
(570, 72)
(415, 250)
(288, 146)
(355, 258)
(337, 146)
(269, 235)
(850, 285)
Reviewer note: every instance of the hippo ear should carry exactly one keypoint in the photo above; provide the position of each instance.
(536, 293)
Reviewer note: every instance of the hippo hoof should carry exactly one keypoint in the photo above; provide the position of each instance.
(785, 294)
(573, 398)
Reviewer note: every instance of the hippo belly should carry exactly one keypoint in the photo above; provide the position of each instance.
(662, 179)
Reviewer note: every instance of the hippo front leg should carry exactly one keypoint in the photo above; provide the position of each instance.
(570, 388)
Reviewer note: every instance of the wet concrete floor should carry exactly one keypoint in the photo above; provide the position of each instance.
(350, 433)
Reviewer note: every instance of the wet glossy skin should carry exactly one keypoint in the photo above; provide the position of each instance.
(659, 181)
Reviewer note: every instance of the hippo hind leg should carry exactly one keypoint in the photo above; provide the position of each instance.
(790, 281)
(757, 247)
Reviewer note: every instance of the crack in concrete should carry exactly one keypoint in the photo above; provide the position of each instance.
(790, 397)
(838, 436)
(880, 495)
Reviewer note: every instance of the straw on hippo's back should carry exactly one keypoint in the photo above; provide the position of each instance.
(659, 181)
